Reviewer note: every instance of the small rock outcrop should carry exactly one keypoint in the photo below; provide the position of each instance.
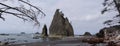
(60, 26)
(87, 34)
(44, 31)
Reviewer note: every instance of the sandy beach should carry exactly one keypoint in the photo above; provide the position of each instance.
(65, 42)
(52, 43)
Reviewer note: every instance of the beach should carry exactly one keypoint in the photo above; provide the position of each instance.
(63, 42)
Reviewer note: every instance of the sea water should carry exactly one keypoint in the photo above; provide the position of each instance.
(20, 38)
(29, 38)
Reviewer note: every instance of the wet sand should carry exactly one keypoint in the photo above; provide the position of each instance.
(65, 42)
(52, 43)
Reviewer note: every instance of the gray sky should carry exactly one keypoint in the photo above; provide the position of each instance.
(84, 15)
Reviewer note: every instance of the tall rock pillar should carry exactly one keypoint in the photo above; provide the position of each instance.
(60, 26)
(44, 31)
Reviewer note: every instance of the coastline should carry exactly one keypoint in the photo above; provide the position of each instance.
(64, 42)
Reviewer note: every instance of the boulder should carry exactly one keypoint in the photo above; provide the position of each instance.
(87, 34)
(60, 26)
(112, 30)
(44, 31)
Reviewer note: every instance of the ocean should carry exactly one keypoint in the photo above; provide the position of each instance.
(33, 38)
(20, 38)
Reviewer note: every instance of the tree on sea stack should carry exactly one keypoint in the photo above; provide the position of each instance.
(19, 10)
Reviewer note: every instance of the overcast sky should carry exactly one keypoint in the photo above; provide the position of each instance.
(84, 16)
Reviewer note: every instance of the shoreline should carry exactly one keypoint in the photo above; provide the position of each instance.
(63, 42)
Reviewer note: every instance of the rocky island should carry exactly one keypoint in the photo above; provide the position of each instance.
(60, 26)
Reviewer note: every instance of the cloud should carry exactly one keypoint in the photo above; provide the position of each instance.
(83, 14)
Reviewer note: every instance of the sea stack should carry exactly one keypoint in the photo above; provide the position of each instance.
(60, 26)
(44, 31)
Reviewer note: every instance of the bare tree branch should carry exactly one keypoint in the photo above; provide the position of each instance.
(22, 12)
(33, 6)
(107, 7)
